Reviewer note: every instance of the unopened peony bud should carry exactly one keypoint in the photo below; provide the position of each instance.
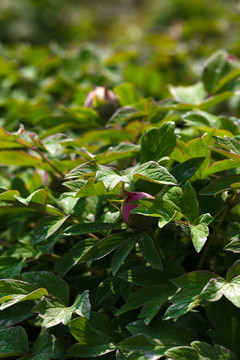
(104, 101)
(136, 221)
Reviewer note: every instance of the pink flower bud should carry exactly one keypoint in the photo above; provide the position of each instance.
(232, 57)
(136, 220)
(104, 101)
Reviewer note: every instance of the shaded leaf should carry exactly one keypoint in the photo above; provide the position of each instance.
(207, 352)
(74, 255)
(185, 170)
(224, 183)
(224, 317)
(10, 267)
(121, 254)
(104, 247)
(94, 336)
(16, 291)
(16, 313)
(157, 142)
(149, 251)
(192, 284)
(47, 347)
(47, 227)
(85, 228)
(13, 342)
(53, 283)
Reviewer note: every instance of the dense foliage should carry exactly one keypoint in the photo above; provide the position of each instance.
(75, 280)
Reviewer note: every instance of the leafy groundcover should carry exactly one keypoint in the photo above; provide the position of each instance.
(75, 280)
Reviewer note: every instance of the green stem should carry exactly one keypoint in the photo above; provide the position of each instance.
(49, 162)
(45, 159)
(5, 244)
(52, 257)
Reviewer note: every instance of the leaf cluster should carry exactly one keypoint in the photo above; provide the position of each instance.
(75, 280)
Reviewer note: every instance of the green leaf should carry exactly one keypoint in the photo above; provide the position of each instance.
(199, 234)
(104, 247)
(82, 304)
(224, 183)
(54, 312)
(229, 147)
(149, 251)
(16, 291)
(94, 227)
(75, 254)
(218, 287)
(91, 188)
(153, 172)
(10, 267)
(47, 227)
(110, 177)
(13, 342)
(146, 275)
(127, 94)
(109, 287)
(19, 158)
(151, 308)
(192, 285)
(53, 283)
(184, 201)
(158, 209)
(39, 196)
(193, 94)
(9, 195)
(228, 154)
(189, 203)
(121, 254)
(125, 114)
(233, 271)
(227, 78)
(231, 144)
(184, 171)
(47, 347)
(118, 152)
(67, 202)
(15, 314)
(207, 352)
(222, 165)
(86, 117)
(224, 317)
(156, 338)
(233, 246)
(214, 70)
(182, 353)
(234, 236)
(148, 296)
(94, 336)
(195, 148)
(157, 142)
(143, 343)
(84, 170)
(211, 101)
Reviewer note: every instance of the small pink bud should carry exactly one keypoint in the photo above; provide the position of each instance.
(104, 101)
(231, 57)
(136, 220)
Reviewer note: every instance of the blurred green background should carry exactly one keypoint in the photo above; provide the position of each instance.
(198, 24)
(53, 51)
